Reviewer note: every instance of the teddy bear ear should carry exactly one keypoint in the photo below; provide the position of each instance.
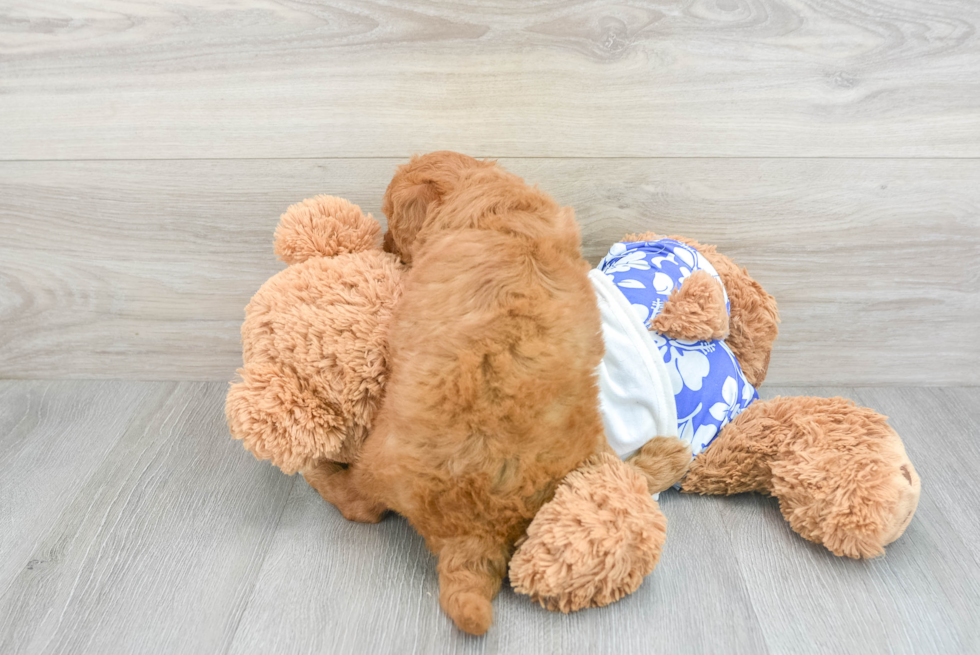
(324, 226)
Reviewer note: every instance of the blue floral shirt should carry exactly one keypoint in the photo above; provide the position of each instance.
(708, 384)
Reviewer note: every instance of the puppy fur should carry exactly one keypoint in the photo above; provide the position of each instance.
(493, 395)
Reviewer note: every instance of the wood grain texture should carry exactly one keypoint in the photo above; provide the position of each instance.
(142, 269)
(40, 473)
(267, 78)
(178, 541)
(920, 596)
(347, 576)
(156, 551)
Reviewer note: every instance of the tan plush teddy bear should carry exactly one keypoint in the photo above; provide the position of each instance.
(314, 340)
(316, 361)
(840, 472)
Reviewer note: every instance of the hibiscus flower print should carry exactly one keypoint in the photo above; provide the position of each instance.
(692, 367)
(631, 260)
(662, 283)
(729, 393)
(689, 431)
(708, 386)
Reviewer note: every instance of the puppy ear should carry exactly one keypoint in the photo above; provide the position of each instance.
(406, 208)
(415, 187)
(389, 243)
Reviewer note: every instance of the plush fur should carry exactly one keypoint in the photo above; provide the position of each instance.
(662, 461)
(754, 322)
(603, 507)
(316, 363)
(695, 311)
(840, 471)
(314, 340)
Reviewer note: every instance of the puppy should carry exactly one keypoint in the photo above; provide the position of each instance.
(492, 398)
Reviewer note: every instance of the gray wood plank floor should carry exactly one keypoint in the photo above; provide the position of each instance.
(131, 522)
(147, 149)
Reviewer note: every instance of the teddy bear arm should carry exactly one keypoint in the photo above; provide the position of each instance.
(594, 542)
(754, 319)
(694, 312)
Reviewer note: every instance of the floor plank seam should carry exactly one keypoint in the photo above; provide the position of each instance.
(261, 566)
(743, 579)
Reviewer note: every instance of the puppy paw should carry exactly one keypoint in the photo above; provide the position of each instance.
(362, 512)
(335, 485)
(663, 461)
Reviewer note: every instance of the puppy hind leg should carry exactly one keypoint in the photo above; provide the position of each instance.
(470, 573)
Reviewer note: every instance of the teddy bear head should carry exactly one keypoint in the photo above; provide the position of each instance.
(314, 340)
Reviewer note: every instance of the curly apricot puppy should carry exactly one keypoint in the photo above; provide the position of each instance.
(492, 398)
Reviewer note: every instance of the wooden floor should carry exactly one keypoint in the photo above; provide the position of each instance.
(132, 523)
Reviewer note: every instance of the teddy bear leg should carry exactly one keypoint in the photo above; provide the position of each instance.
(840, 472)
(595, 541)
(845, 481)
(738, 459)
(335, 484)
(471, 570)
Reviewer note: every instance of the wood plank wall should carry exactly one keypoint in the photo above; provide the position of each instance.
(833, 148)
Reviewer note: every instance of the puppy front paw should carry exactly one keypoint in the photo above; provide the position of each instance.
(663, 461)
(335, 485)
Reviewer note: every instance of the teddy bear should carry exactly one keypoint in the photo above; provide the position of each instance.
(314, 341)
(682, 320)
(315, 362)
